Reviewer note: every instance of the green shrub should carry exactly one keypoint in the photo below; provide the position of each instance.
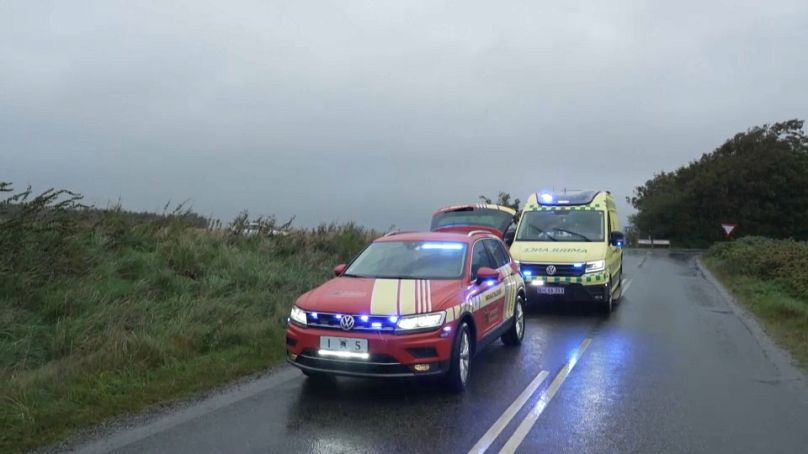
(784, 262)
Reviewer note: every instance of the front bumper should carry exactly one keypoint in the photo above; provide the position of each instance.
(391, 355)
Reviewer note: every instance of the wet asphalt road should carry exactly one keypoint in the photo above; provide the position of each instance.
(674, 369)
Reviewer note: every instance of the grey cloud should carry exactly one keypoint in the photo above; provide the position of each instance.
(380, 112)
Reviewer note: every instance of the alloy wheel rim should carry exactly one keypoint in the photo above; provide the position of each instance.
(464, 357)
(520, 320)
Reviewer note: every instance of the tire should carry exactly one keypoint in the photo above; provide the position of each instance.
(457, 377)
(515, 335)
(620, 280)
(607, 306)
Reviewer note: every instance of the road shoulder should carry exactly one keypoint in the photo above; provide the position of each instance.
(782, 360)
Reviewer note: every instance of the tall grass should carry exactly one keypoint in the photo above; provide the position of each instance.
(103, 312)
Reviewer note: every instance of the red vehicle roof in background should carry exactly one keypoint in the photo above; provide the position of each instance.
(488, 206)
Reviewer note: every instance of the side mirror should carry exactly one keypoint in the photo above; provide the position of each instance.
(617, 239)
(339, 269)
(509, 236)
(485, 274)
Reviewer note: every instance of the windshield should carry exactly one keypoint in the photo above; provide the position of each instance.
(561, 225)
(484, 217)
(410, 260)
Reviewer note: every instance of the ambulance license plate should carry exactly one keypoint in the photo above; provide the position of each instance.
(551, 290)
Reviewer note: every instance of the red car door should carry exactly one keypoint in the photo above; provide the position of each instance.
(487, 298)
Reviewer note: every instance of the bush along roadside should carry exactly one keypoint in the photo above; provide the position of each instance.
(104, 312)
(770, 278)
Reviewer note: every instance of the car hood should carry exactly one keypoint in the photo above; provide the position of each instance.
(381, 296)
(557, 252)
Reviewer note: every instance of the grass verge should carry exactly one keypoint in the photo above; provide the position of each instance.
(783, 315)
(104, 313)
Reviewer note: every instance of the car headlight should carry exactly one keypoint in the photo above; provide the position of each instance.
(298, 316)
(421, 321)
(597, 265)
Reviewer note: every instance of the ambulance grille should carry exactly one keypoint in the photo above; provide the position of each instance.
(540, 269)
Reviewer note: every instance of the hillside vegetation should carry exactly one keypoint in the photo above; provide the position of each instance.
(103, 312)
(770, 278)
(758, 179)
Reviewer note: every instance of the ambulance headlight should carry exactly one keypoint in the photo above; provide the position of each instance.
(298, 316)
(597, 265)
(421, 321)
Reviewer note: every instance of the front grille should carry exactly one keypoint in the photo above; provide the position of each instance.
(540, 269)
(376, 323)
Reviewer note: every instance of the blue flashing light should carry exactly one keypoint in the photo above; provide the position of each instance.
(447, 328)
(337, 316)
(490, 282)
(393, 319)
(376, 324)
(527, 273)
(444, 246)
(578, 265)
(314, 315)
(546, 198)
(364, 318)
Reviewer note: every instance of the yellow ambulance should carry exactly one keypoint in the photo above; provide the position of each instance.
(570, 248)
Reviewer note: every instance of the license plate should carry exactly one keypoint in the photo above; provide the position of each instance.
(344, 344)
(551, 290)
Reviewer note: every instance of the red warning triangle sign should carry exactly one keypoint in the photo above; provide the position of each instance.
(728, 229)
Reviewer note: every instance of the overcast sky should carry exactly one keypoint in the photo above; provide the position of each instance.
(381, 111)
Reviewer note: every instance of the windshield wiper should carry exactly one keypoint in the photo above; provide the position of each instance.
(540, 232)
(573, 233)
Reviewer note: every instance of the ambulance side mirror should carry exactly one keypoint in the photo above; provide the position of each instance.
(617, 239)
(509, 236)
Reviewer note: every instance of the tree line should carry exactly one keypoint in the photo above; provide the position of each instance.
(757, 179)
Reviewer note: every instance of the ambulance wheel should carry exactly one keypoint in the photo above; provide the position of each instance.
(607, 306)
(620, 280)
(458, 374)
(515, 335)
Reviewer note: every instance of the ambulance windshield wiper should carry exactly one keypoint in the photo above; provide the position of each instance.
(573, 233)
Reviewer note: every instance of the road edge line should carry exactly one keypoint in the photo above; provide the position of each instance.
(127, 436)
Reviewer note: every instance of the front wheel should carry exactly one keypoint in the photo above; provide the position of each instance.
(458, 374)
(608, 304)
(515, 335)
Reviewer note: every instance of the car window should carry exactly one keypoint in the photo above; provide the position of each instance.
(498, 252)
(480, 258)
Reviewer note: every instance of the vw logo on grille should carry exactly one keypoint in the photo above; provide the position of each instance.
(347, 322)
(551, 270)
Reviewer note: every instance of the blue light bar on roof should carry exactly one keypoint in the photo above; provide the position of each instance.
(445, 246)
(546, 197)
